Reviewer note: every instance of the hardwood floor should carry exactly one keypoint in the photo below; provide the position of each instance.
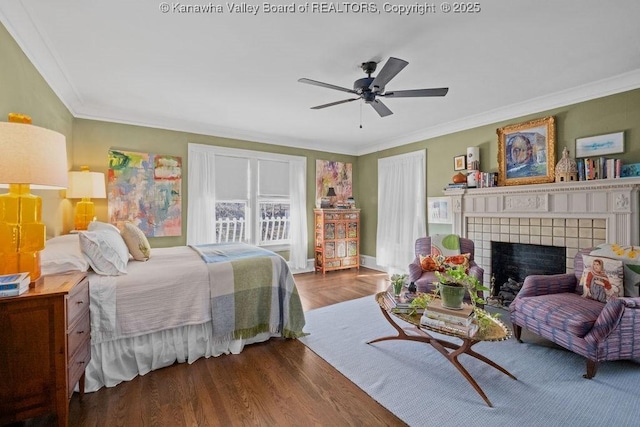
(277, 383)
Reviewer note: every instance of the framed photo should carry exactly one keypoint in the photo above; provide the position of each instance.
(600, 145)
(460, 162)
(439, 210)
(527, 152)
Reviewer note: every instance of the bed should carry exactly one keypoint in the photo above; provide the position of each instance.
(181, 304)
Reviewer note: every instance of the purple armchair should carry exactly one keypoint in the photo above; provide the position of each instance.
(424, 279)
(552, 307)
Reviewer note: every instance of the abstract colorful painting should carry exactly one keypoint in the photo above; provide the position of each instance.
(145, 189)
(336, 175)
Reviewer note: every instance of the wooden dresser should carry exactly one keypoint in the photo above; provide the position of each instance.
(44, 347)
(337, 239)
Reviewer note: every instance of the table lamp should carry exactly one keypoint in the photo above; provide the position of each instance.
(85, 185)
(331, 193)
(32, 157)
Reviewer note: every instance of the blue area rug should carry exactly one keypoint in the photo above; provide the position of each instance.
(422, 388)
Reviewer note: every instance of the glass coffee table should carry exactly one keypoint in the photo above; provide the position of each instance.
(495, 331)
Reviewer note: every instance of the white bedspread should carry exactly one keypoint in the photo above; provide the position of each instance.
(142, 325)
(173, 293)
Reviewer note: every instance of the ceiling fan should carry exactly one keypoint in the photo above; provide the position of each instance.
(369, 88)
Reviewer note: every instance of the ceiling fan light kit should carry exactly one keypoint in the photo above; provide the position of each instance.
(369, 88)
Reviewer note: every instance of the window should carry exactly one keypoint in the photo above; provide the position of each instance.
(231, 199)
(250, 197)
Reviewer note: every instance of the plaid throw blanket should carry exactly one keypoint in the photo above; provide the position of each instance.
(252, 291)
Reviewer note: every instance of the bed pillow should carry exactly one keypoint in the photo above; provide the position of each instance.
(136, 242)
(62, 254)
(453, 261)
(431, 262)
(630, 257)
(105, 251)
(601, 278)
(445, 244)
(442, 263)
(98, 225)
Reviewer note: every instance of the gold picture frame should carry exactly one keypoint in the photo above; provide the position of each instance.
(527, 152)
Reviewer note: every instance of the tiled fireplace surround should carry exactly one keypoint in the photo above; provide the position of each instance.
(571, 215)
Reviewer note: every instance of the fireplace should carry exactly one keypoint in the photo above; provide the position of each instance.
(511, 263)
(519, 260)
(567, 216)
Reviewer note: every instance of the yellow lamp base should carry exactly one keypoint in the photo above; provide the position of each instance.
(85, 213)
(22, 234)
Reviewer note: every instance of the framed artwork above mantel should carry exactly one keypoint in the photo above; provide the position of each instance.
(527, 152)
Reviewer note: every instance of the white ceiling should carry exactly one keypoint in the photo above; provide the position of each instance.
(235, 74)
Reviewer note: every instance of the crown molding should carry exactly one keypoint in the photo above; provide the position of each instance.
(610, 86)
(46, 61)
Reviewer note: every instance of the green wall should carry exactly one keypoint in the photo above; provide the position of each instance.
(93, 139)
(23, 90)
(615, 113)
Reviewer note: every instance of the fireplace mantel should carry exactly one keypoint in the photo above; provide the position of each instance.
(614, 200)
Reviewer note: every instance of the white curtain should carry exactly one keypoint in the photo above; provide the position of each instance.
(401, 209)
(201, 209)
(298, 220)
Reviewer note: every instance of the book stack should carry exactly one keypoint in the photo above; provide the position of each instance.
(453, 185)
(402, 304)
(457, 321)
(12, 285)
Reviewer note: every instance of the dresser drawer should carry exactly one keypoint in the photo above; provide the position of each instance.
(80, 333)
(77, 364)
(78, 302)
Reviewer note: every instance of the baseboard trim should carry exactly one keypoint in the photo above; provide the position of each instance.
(370, 262)
(365, 261)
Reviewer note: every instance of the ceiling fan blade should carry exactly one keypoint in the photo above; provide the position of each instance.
(416, 92)
(389, 71)
(381, 108)
(331, 104)
(327, 85)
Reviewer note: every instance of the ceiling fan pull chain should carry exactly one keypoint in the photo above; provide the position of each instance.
(360, 114)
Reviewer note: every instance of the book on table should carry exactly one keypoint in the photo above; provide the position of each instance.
(14, 292)
(14, 281)
(404, 299)
(455, 320)
(468, 330)
(402, 303)
(436, 306)
(408, 310)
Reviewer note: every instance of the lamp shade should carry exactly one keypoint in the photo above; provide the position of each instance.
(86, 184)
(32, 155)
(331, 192)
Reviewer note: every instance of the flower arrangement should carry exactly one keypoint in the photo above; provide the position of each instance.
(397, 280)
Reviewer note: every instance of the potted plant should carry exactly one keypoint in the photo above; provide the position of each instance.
(454, 282)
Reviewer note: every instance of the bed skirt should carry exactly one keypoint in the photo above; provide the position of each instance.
(113, 362)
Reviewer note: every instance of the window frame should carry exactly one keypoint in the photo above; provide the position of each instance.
(252, 218)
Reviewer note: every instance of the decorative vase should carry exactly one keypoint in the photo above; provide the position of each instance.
(459, 178)
(397, 288)
(452, 296)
